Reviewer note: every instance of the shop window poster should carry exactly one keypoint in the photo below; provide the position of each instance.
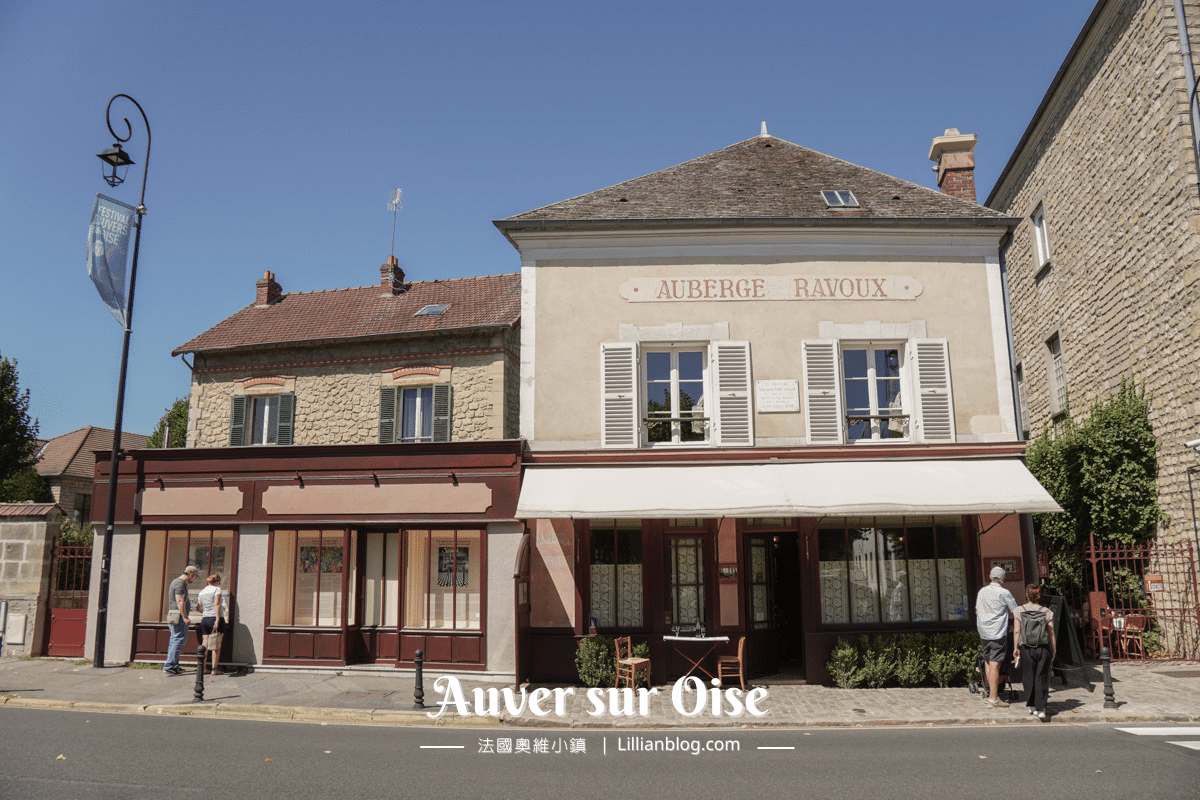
(208, 559)
(321, 559)
(452, 567)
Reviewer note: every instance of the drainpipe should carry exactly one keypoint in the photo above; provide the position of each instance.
(1185, 50)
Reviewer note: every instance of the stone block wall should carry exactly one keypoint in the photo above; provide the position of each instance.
(337, 387)
(26, 547)
(1112, 165)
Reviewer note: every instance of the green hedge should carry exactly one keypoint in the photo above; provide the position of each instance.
(913, 659)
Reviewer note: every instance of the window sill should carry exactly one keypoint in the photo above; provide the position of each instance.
(1042, 272)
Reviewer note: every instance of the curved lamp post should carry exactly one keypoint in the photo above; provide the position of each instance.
(116, 158)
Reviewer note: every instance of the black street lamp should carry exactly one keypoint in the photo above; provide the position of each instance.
(116, 157)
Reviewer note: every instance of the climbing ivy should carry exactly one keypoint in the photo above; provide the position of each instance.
(1101, 470)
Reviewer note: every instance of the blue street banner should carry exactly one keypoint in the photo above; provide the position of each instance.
(108, 251)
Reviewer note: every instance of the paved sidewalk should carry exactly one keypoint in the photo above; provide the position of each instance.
(1144, 692)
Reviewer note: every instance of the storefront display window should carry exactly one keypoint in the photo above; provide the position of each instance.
(616, 573)
(308, 577)
(443, 576)
(896, 569)
(166, 554)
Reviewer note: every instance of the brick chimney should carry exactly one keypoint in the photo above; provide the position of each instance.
(391, 278)
(269, 291)
(954, 153)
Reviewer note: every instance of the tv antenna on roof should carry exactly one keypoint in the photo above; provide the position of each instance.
(394, 207)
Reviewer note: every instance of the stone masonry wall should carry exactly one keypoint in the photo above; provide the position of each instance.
(26, 544)
(1113, 167)
(337, 387)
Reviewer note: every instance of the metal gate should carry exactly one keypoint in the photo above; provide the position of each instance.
(71, 574)
(1139, 601)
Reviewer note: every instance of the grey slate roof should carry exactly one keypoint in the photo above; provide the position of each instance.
(759, 180)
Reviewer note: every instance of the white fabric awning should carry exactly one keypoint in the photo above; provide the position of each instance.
(813, 489)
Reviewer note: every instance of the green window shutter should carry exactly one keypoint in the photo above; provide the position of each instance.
(287, 415)
(441, 412)
(387, 414)
(237, 420)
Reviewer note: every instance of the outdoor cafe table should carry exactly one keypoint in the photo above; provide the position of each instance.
(679, 642)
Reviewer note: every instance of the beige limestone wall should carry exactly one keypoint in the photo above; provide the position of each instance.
(123, 576)
(337, 388)
(581, 305)
(1114, 170)
(503, 541)
(26, 550)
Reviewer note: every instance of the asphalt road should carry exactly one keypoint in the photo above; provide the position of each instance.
(70, 754)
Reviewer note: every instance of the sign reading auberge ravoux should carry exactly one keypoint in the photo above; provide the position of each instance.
(772, 287)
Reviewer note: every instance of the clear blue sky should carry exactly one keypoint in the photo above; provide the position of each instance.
(280, 129)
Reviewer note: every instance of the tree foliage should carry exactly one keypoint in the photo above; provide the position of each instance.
(174, 419)
(18, 435)
(1101, 471)
(25, 486)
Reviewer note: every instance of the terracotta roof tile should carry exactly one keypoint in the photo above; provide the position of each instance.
(26, 509)
(492, 301)
(760, 178)
(72, 453)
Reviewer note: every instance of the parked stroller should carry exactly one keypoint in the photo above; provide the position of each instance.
(977, 681)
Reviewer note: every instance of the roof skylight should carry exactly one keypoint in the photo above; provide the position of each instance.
(840, 198)
(432, 310)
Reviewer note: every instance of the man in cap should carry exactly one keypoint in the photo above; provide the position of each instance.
(177, 617)
(993, 605)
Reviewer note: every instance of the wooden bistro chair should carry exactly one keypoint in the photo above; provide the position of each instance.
(1131, 635)
(734, 666)
(629, 666)
(1100, 622)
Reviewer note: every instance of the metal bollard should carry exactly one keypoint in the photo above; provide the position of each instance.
(201, 657)
(1105, 661)
(418, 686)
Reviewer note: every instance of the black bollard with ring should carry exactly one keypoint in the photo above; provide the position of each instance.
(418, 686)
(201, 655)
(1105, 661)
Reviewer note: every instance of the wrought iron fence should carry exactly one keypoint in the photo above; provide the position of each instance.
(72, 575)
(1140, 601)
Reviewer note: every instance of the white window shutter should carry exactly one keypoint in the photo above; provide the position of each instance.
(732, 411)
(619, 409)
(823, 415)
(935, 402)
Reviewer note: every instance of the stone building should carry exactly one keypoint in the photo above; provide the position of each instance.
(27, 535)
(68, 464)
(1104, 266)
(351, 471)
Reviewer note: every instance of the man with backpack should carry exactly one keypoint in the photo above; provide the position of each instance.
(1034, 635)
(993, 604)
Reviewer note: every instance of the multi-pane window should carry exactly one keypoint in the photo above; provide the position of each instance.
(443, 579)
(83, 509)
(1058, 377)
(674, 392)
(414, 413)
(759, 583)
(1041, 238)
(165, 554)
(871, 377)
(309, 578)
(685, 588)
(892, 569)
(261, 419)
(616, 573)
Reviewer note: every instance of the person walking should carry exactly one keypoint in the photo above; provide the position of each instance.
(993, 605)
(177, 618)
(212, 621)
(1033, 633)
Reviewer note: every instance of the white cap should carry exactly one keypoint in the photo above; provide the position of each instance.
(997, 573)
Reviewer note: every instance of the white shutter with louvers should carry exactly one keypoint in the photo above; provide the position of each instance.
(935, 403)
(823, 414)
(619, 409)
(732, 412)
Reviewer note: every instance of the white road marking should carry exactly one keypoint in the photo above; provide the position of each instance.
(1175, 730)
(1188, 745)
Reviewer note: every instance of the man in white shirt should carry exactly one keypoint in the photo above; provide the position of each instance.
(993, 605)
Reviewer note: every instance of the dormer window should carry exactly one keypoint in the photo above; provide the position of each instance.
(839, 198)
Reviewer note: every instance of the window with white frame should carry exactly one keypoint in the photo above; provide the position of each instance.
(1041, 238)
(874, 392)
(877, 391)
(1057, 374)
(668, 394)
(261, 419)
(414, 413)
(1023, 410)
